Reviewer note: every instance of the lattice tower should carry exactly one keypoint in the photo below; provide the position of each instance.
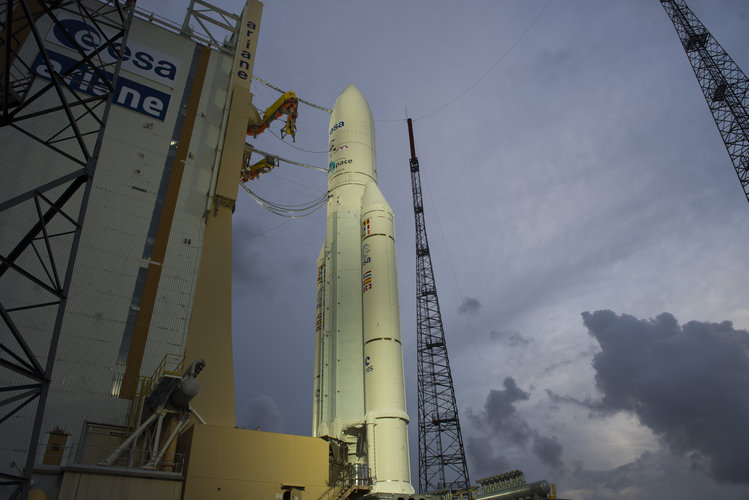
(725, 86)
(442, 462)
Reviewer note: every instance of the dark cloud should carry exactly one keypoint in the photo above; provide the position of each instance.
(469, 306)
(509, 337)
(548, 450)
(483, 460)
(585, 403)
(686, 383)
(246, 266)
(501, 415)
(651, 476)
(260, 413)
(502, 423)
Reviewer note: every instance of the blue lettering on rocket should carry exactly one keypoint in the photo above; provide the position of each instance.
(335, 127)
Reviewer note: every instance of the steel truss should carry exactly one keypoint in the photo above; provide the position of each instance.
(42, 102)
(442, 462)
(724, 85)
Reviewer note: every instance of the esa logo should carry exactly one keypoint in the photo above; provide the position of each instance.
(128, 94)
(335, 127)
(136, 58)
(335, 164)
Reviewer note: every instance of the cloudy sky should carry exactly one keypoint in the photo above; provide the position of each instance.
(587, 230)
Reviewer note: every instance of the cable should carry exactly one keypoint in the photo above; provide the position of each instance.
(253, 236)
(502, 58)
(290, 211)
(293, 146)
(457, 286)
(305, 165)
(275, 175)
(283, 92)
(290, 208)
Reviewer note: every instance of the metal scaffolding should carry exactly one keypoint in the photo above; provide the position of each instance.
(65, 108)
(724, 85)
(442, 462)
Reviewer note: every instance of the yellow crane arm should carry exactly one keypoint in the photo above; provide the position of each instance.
(252, 171)
(287, 104)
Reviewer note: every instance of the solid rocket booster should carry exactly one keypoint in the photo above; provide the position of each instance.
(358, 381)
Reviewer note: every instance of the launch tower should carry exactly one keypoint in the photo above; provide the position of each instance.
(67, 117)
(725, 86)
(442, 460)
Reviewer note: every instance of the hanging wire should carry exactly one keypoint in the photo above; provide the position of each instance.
(283, 92)
(290, 211)
(446, 104)
(462, 298)
(293, 146)
(499, 61)
(305, 165)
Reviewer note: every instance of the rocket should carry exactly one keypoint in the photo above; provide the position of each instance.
(359, 390)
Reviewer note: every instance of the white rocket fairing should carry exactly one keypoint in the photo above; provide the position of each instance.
(358, 384)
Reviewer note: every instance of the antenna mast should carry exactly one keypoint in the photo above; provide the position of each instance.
(442, 461)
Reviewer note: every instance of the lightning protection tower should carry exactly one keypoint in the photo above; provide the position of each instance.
(725, 86)
(442, 461)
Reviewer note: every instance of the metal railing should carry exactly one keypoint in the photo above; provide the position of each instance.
(355, 477)
(173, 365)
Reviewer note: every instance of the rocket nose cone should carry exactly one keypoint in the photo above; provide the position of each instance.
(373, 199)
(351, 146)
(352, 98)
(352, 89)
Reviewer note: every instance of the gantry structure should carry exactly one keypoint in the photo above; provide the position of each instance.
(46, 101)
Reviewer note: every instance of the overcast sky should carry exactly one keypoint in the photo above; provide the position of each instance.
(587, 230)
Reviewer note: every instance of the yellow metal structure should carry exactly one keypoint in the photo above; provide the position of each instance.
(86, 485)
(287, 104)
(209, 334)
(239, 463)
(253, 171)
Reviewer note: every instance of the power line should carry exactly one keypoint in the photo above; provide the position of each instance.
(499, 61)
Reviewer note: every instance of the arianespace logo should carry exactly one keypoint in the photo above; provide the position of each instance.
(138, 59)
(335, 164)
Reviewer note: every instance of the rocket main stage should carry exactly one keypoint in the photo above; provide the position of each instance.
(358, 384)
